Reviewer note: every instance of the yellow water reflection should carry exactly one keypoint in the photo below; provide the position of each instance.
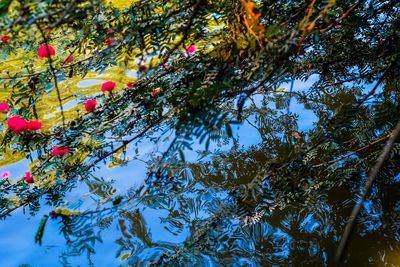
(72, 90)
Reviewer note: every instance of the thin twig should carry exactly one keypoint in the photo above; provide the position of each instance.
(360, 102)
(354, 152)
(341, 18)
(347, 80)
(283, 24)
(72, 52)
(141, 187)
(367, 187)
(126, 142)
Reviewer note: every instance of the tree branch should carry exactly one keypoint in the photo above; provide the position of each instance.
(185, 32)
(341, 18)
(53, 73)
(360, 102)
(367, 187)
(354, 152)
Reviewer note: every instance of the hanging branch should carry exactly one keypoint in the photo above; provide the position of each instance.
(185, 31)
(53, 72)
(367, 187)
(372, 92)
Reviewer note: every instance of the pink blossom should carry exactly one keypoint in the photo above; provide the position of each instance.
(110, 30)
(154, 93)
(191, 49)
(28, 178)
(60, 150)
(5, 174)
(90, 105)
(108, 86)
(42, 52)
(165, 65)
(4, 107)
(16, 124)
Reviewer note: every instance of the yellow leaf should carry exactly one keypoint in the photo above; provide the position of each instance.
(66, 212)
(121, 4)
(125, 256)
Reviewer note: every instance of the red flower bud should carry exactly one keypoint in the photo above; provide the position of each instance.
(191, 49)
(5, 38)
(16, 124)
(34, 125)
(131, 84)
(60, 150)
(5, 174)
(90, 105)
(4, 107)
(109, 41)
(28, 178)
(70, 59)
(42, 52)
(142, 68)
(108, 86)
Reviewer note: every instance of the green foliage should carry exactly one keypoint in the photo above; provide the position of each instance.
(245, 52)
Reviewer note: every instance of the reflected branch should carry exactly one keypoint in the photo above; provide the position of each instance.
(367, 187)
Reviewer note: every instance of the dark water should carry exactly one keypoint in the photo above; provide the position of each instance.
(294, 234)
